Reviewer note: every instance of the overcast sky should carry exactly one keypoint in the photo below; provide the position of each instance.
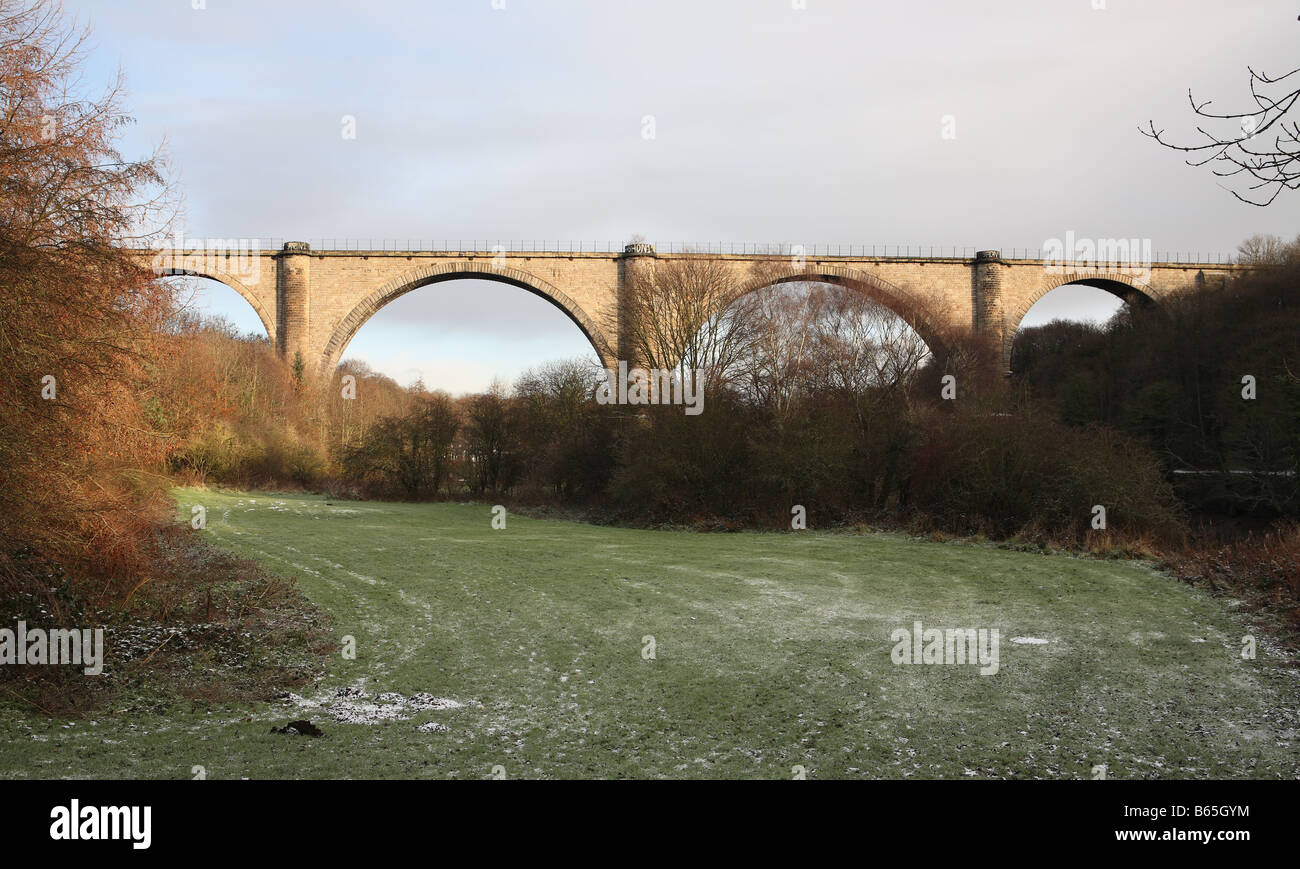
(772, 123)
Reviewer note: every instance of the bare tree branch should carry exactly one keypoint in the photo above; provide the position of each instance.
(1263, 150)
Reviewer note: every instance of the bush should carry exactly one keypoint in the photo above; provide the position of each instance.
(1004, 474)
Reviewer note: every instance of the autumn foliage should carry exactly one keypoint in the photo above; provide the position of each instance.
(78, 322)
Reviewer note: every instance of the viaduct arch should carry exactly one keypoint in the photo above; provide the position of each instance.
(253, 299)
(927, 320)
(312, 302)
(422, 276)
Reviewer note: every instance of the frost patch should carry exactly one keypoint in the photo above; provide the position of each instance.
(352, 705)
(425, 702)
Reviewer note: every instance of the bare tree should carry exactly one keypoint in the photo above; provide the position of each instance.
(864, 345)
(489, 440)
(1259, 145)
(821, 337)
(676, 314)
(777, 366)
(1259, 250)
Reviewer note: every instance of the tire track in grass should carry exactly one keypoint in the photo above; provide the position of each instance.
(373, 623)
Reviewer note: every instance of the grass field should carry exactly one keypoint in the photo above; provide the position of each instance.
(771, 651)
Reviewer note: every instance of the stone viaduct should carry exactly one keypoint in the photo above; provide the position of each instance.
(312, 302)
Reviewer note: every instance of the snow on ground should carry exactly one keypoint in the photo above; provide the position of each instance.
(354, 705)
